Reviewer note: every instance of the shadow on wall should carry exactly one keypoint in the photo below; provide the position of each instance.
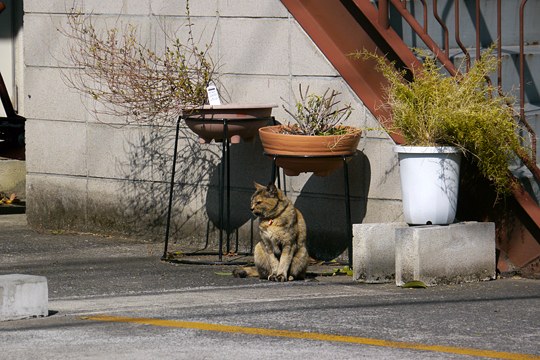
(247, 164)
(322, 202)
(195, 217)
(150, 163)
(195, 210)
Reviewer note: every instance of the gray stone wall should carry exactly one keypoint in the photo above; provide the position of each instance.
(96, 176)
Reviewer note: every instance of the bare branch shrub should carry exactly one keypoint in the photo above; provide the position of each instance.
(318, 114)
(126, 78)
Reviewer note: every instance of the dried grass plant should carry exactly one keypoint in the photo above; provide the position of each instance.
(463, 111)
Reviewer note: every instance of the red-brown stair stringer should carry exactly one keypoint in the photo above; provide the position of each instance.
(339, 28)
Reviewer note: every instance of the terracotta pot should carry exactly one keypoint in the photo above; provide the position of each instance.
(243, 121)
(301, 153)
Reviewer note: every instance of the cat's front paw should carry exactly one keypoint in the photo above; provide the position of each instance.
(272, 277)
(281, 278)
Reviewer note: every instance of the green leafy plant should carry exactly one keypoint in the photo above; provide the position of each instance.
(318, 114)
(463, 111)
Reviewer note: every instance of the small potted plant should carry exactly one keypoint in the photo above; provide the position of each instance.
(317, 141)
(440, 118)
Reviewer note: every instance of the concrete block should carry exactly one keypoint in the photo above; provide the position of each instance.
(44, 44)
(178, 7)
(114, 152)
(126, 7)
(261, 49)
(23, 296)
(384, 172)
(374, 252)
(164, 30)
(463, 252)
(49, 97)
(58, 202)
(254, 89)
(56, 147)
(54, 6)
(250, 8)
(306, 58)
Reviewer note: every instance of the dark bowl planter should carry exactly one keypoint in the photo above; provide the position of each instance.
(243, 121)
(300, 153)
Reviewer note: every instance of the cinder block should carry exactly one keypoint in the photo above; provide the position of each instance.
(250, 8)
(263, 49)
(374, 252)
(42, 103)
(23, 296)
(306, 58)
(463, 252)
(69, 149)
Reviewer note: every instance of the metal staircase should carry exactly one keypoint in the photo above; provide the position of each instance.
(455, 31)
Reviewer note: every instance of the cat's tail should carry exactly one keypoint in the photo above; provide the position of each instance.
(245, 272)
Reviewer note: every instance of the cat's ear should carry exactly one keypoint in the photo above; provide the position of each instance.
(258, 186)
(272, 189)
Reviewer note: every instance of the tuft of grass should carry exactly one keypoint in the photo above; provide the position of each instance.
(463, 111)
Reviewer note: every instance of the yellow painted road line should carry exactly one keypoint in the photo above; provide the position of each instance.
(312, 336)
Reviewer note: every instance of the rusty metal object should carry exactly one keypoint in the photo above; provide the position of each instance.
(522, 116)
(384, 20)
(499, 46)
(444, 27)
(340, 27)
(424, 7)
(477, 23)
(458, 37)
(419, 30)
(6, 102)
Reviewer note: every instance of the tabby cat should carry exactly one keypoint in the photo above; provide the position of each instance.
(281, 255)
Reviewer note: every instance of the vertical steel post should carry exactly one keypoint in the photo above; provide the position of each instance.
(171, 189)
(222, 191)
(477, 19)
(228, 224)
(348, 209)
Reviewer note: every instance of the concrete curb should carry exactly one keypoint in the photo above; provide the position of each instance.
(23, 296)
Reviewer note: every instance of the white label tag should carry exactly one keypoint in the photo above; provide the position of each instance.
(213, 96)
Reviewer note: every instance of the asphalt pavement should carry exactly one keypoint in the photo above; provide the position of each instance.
(113, 298)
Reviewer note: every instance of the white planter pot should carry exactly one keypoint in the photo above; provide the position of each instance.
(429, 183)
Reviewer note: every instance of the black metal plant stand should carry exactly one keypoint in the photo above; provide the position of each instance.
(224, 198)
(275, 171)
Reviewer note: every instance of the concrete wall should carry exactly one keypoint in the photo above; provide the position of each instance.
(86, 175)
